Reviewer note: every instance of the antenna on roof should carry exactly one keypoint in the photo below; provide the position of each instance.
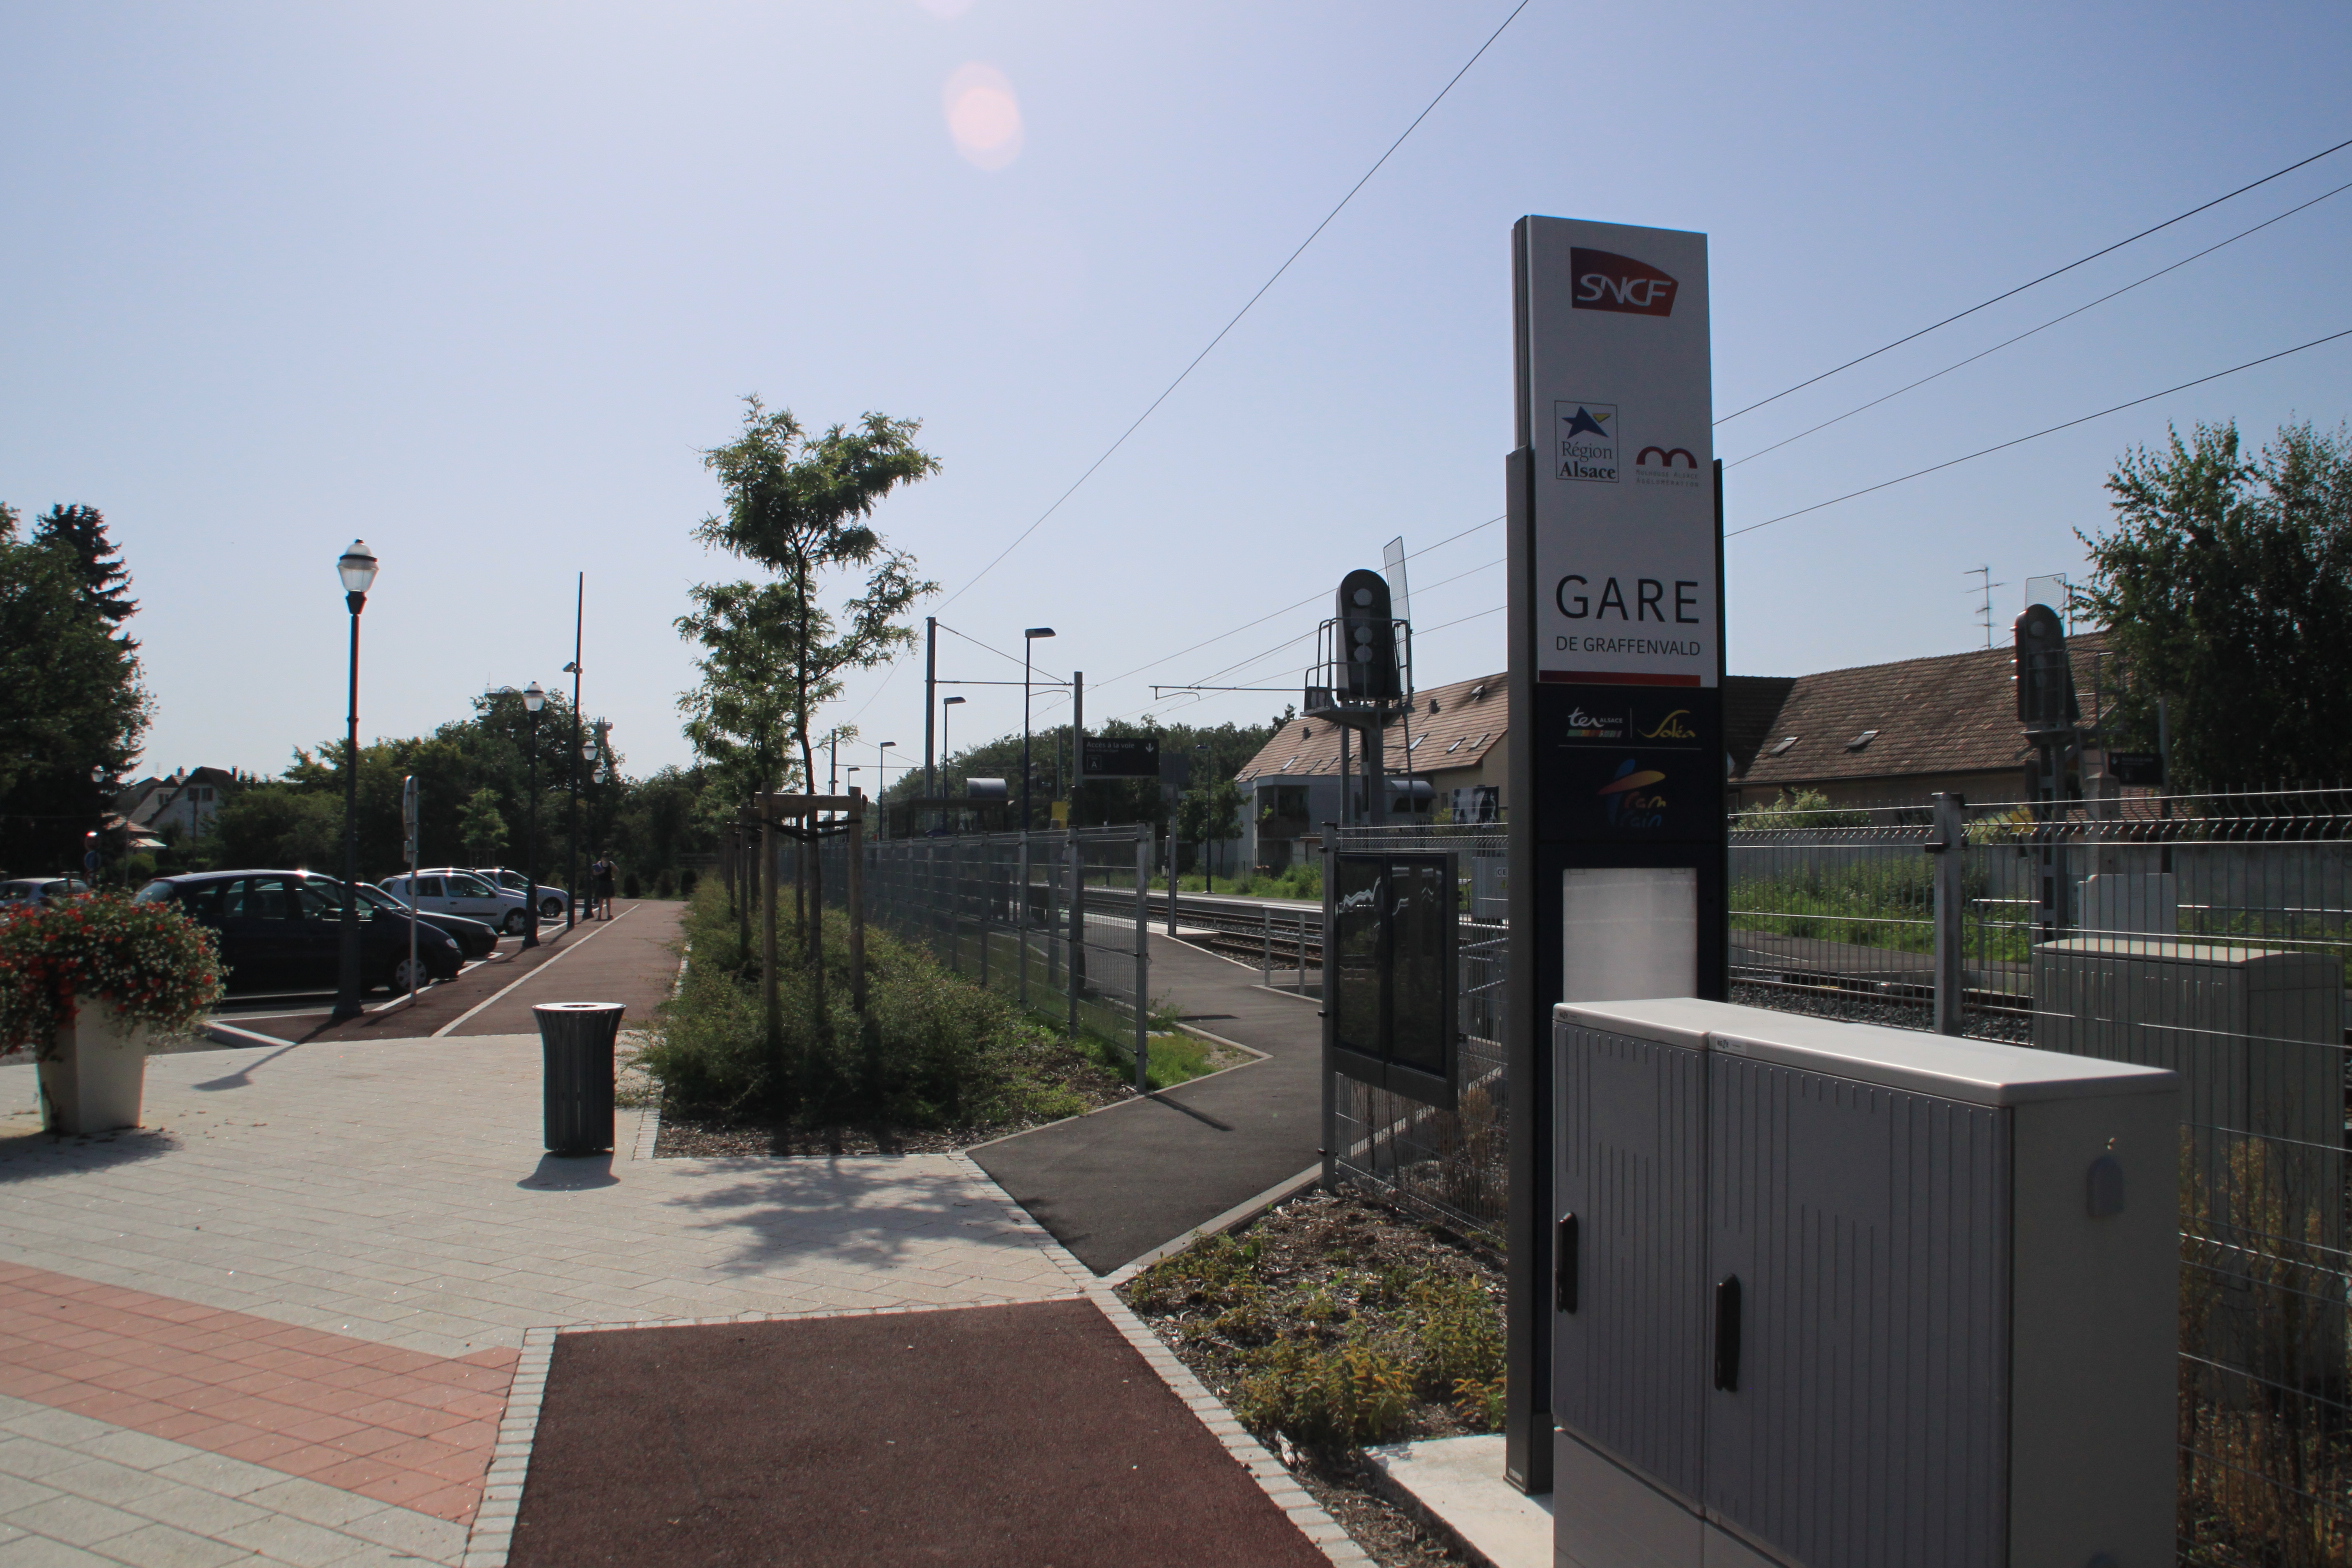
(1984, 588)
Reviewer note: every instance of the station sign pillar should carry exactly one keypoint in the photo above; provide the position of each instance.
(1617, 843)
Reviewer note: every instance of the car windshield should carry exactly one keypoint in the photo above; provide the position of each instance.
(154, 893)
(379, 898)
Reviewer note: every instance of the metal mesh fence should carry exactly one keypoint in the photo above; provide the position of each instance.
(2203, 934)
(1446, 1165)
(1054, 921)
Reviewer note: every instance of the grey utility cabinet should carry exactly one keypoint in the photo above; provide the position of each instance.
(1838, 1296)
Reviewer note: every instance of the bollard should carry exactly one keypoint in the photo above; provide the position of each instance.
(576, 1052)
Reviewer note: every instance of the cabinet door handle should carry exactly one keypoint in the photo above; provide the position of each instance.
(1564, 1265)
(1727, 1333)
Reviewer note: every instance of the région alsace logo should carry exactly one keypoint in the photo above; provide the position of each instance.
(1587, 440)
(1605, 281)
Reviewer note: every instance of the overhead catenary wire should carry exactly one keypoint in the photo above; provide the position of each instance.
(2045, 326)
(2106, 250)
(2069, 424)
(1170, 388)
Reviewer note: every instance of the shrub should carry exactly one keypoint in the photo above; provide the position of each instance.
(1356, 1393)
(933, 1050)
(1457, 1333)
(686, 880)
(665, 883)
(631, 887)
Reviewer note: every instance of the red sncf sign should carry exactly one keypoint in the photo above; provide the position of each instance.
(1605, 281)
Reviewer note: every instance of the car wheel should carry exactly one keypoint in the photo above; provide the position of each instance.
(551, 909)
(406, 975)
(512, 925)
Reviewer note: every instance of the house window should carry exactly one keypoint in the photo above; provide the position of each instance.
(1786, 741)
(1416, 743)
(1481, 740)
(1861, 740)
(1457, 745)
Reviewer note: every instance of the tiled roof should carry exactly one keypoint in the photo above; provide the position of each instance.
(1956, 713)
(1468, 722)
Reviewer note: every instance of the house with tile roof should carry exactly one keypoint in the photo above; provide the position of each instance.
(1895, 734)
(1445, 754)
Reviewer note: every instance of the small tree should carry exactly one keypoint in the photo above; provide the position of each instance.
(797, 505)
(481, 829)
(2226, 584)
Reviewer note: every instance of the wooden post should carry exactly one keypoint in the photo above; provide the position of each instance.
(769, 1000)
(857, 901)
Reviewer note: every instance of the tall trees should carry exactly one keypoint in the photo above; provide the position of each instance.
(70, 698)
(2226, 582)
(797, 506)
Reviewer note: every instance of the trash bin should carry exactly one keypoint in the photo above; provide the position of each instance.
(576, 1048)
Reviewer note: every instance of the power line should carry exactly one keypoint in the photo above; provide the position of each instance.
(2022, 287)
(1235, 631)
(2038, 434)
(1245, 309)
(2030, 331)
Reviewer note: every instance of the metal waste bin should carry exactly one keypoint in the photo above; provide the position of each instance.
(576, 1048)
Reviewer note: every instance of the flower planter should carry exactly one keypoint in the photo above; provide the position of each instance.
(94, 1074)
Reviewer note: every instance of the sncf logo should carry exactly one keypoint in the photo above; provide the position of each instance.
(1605, 281)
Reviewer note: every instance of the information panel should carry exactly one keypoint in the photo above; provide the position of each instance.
(1616, 665)
(1122, 757)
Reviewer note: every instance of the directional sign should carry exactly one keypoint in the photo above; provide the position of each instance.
(1122, 757)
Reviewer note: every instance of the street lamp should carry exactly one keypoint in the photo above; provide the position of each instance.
(1028, 647)
(946, 703)
(358, 570)
(534, 698)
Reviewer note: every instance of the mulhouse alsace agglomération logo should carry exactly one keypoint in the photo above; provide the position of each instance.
(1588, 440)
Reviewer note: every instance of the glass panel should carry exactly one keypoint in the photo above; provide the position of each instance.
(469, 887)
(257, 898)
(324, 901)
(1355, 922)
(428, 887)
(1417, 968)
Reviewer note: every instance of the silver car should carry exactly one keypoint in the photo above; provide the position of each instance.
(41, 890)
(453, 890)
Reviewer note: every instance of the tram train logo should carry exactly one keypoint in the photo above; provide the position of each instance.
(1630, 799)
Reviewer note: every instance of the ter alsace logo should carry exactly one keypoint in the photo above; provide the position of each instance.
(1605, 281)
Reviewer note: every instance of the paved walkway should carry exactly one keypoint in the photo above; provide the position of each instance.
(1117, 1184)
(630, 959)
(259, 1317)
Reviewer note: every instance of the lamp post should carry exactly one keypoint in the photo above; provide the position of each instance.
(882, 795)
(534, 698)
(1028, 647)
(358, 570)
(945, 703)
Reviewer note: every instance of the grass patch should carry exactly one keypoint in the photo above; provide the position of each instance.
(1301, 881)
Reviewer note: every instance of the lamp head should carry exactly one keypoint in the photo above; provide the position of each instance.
(1035, 632)
(884, 745)
(949, 702)
(358, 567)
(534, 697)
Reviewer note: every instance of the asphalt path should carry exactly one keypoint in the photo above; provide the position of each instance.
(631, 959)
(1123, 1181)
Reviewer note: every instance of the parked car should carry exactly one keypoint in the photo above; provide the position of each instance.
(453, 890)
(283, 930)
(41, 890)
(553, 901)
(474, 938)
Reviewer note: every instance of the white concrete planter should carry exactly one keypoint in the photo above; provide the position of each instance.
(94, 1078)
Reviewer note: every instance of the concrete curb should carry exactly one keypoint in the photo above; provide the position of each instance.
(1232, 1219)
(1280, 1486)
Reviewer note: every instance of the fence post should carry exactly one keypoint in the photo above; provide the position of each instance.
(1143, 860)
(1171, 879)
(1021, 919)
(1949, 846)
(1330, 1078)
(987, 905)
(1266, 963)
(1076, 965)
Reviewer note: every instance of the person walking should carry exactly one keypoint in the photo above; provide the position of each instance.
(604, 884)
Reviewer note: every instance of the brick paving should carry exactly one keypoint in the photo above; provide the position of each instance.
(394, 1425)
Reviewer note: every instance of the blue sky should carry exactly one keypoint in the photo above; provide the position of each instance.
(477, 283)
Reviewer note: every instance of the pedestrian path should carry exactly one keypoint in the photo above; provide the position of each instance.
(1117, 1184)
(631, 958)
